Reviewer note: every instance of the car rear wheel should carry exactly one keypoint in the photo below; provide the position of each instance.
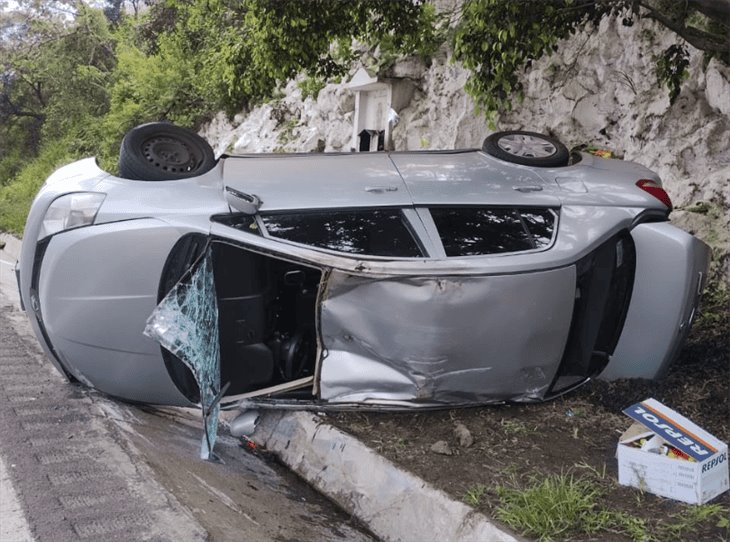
(527, 148)
(160, 151)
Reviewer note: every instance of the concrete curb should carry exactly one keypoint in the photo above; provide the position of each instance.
(393, 503)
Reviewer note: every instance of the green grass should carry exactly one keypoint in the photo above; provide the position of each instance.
(557, 506)
(548, 508)
(515, 427)
(473, 496)
(686, 522)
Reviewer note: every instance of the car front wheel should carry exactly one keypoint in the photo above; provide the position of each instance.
(160, 151)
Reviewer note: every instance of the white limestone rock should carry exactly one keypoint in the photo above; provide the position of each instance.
(717, 86)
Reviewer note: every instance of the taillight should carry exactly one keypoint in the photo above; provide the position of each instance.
(656, 190)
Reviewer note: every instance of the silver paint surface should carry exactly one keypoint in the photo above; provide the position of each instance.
(444, 339)
(671, 269)
(96, 292)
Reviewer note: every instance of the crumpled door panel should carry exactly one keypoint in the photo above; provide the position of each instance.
(444, 340)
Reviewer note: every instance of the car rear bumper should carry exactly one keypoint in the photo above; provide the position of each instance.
(671, 270)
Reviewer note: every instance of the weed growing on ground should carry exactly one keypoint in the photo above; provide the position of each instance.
(548, 507)
(716, 296)
(624, 523)
(514, 427)
(564, 505)
(473, 496)
(599, 474)
(693, 516)
(400, 444)
(557, 506)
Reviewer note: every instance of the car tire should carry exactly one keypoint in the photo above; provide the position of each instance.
(527, 149)
(160, 151)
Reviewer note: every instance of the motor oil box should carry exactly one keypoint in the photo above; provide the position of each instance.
(666, 454)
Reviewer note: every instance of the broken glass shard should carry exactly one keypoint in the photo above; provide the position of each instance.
(186, 323)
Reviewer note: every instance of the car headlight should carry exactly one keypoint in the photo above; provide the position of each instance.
(71, 211)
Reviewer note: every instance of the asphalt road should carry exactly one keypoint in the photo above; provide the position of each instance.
(85, 467)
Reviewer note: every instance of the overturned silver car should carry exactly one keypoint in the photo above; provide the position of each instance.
(515, 272)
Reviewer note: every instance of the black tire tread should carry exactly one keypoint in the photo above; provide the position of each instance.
(133, 165)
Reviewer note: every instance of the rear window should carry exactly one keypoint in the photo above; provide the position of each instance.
(381, 232)
(470, 231)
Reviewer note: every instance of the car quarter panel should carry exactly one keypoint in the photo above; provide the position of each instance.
(446, 339)
(97, 287)
(671, 268)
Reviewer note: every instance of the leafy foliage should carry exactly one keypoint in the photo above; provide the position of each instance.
(74, 78)
(249, 48)
(184, 60)
(497, 39)
(704, 24)
(56, 62)
(672, 70)
(15, 198)
(311, 86)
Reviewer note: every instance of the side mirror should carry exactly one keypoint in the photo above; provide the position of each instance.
(247, 204)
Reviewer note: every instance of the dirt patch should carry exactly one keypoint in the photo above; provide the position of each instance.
(518, 445)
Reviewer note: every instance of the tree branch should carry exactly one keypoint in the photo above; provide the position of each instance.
(717, 10)
(10, 109)
(699, 39)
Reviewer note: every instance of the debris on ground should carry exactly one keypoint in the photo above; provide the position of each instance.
(441, 447)
(463, 435)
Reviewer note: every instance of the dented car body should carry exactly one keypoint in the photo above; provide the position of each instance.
(404, 279)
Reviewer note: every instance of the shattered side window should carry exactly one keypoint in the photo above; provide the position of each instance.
(185, 322)
(381, 232)
(472, 231)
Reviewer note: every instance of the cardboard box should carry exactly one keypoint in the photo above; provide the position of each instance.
(666, 454)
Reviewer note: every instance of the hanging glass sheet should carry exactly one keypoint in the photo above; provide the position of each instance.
(186, 323)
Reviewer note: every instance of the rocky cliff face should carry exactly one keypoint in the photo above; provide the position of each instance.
(599, 88)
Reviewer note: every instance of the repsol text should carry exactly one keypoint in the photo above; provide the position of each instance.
(663, 428)
(714, 462)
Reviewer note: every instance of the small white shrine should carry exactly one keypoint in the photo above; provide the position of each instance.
(377, 102)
